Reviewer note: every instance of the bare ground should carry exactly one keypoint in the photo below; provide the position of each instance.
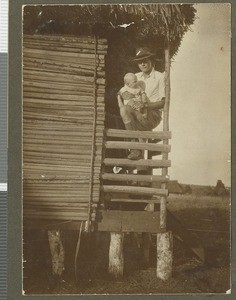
(208, 217)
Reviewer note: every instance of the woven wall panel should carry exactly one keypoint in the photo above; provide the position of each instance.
(63, 123)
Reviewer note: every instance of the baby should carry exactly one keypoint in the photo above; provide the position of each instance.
(131, 94)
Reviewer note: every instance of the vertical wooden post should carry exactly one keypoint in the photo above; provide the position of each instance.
(165, 128)
(57, 252)
(116, 256)
(146, 236)
(164, 255)
(165, 239)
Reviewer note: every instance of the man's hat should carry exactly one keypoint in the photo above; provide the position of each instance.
(142, 53)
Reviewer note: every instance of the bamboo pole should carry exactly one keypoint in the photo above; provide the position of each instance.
(61, 49)
(56, 96)
(85, 44)
(65, 38)
(73, 87)
(77, 199)
(52, 217)
(53, 85)
(57, 77)
(74, 64)
(49, 53)
(66, 70)
(57, 204)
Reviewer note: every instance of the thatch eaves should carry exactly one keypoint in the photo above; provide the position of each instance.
(160, 21)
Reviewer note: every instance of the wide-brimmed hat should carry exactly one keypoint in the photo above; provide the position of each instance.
(142, 53)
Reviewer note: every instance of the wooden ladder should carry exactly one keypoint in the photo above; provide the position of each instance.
(129, 188)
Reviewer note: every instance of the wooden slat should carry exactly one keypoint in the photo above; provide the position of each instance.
(137, 145)
(134, 177)
(134, 163)
(138, 134)
(127, 200)
(134, 190)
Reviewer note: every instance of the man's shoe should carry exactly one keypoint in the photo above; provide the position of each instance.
(135, 155)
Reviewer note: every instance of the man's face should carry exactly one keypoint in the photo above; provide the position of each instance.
(145, 66)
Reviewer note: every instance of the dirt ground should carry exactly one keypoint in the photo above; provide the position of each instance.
(208, 217)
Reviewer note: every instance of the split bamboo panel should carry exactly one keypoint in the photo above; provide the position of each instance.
(63, 125)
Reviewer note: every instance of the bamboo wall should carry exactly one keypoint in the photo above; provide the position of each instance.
(63, 124)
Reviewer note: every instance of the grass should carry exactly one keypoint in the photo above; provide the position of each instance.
(180, 202)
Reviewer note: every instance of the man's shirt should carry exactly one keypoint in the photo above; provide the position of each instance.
(153, 85)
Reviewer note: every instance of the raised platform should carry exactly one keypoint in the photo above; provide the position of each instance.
(129, 221)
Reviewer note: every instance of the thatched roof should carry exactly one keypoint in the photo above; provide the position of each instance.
(149, 25)
(159, 21)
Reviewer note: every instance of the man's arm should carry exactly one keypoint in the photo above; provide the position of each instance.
(157, 104)
(120, 102)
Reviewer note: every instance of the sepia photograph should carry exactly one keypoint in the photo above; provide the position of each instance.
(126, 149)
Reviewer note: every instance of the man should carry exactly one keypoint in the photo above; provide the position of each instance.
(153, 83)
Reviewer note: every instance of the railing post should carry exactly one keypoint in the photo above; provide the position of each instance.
(165, 128)
(164, 238)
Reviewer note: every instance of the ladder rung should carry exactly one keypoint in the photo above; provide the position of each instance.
(138, 134)
(153, 163)
(132, 177)
(135, 200)
(134, 190)
(137, 145)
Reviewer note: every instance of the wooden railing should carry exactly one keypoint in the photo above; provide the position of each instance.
(130, 187)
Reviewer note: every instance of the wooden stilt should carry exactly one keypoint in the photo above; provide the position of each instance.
(116, 258)
(164, 255)
(57, 252)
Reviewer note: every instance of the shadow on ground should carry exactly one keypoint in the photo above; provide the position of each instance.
(190, 275)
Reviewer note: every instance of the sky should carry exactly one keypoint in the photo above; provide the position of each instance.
(200, 100)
